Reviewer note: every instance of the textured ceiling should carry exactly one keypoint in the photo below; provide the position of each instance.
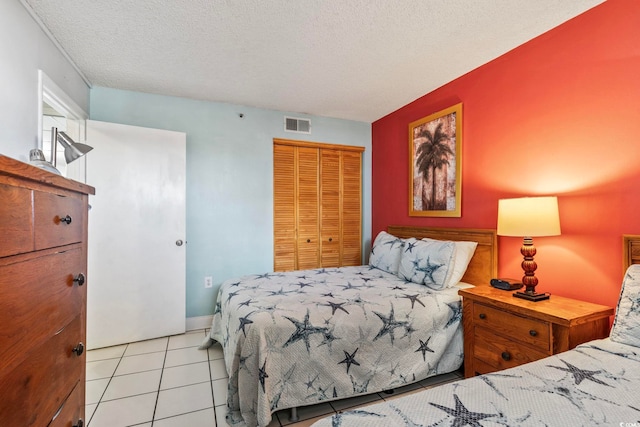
(350, 59)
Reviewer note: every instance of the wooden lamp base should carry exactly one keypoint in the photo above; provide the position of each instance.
(529, 280)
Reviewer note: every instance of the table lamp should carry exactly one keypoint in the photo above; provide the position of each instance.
(529, 217)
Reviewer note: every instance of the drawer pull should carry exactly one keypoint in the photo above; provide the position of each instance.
(80, 423)
(330, 239)
(533, 333)
(308, 240)
(482, 316)
(66, 219)
(80, 279)
(506, 355)
(79, 349)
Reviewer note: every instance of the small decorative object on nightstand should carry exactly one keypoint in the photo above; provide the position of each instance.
(529, 217)
(502, 332)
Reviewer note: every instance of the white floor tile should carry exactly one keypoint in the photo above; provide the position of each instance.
(124, 412)
(184, 356)
(106, 353)
(341, 405)
(221, 414)
(101, 369)
(218, 370)
(94, 390)
(148, 346)
(306, 423)
(179, 376)
(220, 391)
(140, 363)
(193, 339)
(215, 352)
(133, 384)
(88, 410)
(305, 413)
(182, 400)
(205, 418)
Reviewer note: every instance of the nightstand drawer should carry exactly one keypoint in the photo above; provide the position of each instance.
(523, 329)
(502, 353)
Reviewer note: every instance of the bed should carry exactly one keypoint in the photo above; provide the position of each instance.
(597, 383)
(297, 338)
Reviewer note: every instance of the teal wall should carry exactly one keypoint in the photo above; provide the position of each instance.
(229, 178)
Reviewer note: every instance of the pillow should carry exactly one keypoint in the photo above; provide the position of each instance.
(626, 325)
(427, 263)
(386, 252)
(463, 254)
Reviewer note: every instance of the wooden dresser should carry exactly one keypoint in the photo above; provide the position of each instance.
(501, 331)
(43, 261)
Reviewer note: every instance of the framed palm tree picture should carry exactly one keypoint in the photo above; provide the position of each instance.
(435, 161)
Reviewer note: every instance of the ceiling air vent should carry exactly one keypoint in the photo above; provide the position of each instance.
(293, 124)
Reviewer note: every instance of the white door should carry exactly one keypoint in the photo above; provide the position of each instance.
(136, 254)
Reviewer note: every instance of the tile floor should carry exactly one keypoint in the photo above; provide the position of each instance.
(168, 382)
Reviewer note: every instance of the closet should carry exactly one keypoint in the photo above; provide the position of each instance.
(317, 205)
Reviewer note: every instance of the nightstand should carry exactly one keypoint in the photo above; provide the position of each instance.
(501, 331)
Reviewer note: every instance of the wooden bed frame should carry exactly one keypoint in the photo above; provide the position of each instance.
(631, 251)
(484, 263)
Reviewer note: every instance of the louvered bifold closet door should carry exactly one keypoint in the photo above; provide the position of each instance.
(284, 207)
(308, 209)
(330, 243)
(351, 208)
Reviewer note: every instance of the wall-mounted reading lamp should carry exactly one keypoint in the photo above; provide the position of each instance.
(72, 151)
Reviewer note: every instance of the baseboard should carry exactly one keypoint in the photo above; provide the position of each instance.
(199, 322)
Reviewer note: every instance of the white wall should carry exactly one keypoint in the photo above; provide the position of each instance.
(25, 48)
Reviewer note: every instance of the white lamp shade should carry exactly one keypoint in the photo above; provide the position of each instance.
(528, 217)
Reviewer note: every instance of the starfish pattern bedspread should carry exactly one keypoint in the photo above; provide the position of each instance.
(302, 337)
(597, 383)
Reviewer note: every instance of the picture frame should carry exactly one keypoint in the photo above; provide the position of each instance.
(435, 164)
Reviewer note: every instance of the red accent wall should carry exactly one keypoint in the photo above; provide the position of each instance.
(559, 115)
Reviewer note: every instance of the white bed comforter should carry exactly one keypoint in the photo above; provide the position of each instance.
(299, 338)
(596, 384)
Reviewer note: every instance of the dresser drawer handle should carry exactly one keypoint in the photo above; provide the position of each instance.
(80, 279)
(506, 355)
(66, 219)
(308, 240)
(80, 423)
(533, 333)
(79, 349)
(482, 316)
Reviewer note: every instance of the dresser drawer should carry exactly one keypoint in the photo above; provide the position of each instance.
(72, 410)
(16, 220)
(41, 295)
(32, 393)
(502, 353)
(524, 329)
(58, 219)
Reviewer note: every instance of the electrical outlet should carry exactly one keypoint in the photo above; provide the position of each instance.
(208, 282)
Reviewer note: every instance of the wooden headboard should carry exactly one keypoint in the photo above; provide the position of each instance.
(631, 251)
(484, 264)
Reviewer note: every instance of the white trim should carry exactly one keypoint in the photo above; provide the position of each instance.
(54, 41)
(199, 322)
